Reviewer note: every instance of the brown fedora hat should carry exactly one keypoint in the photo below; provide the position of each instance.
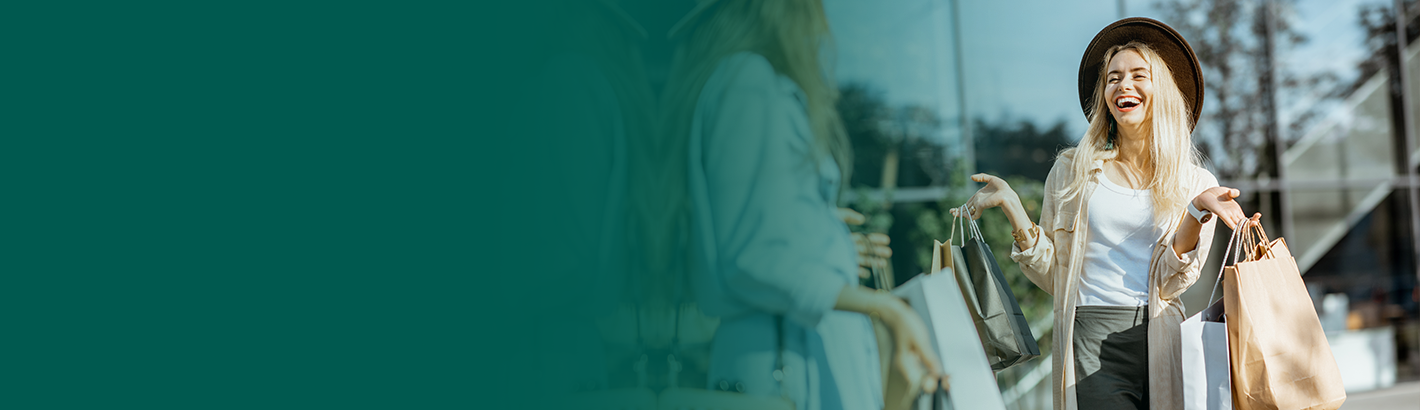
(1164, 40)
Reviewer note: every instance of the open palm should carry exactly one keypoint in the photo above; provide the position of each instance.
(996, 193)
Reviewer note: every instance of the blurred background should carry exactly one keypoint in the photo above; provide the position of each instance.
(1311, 111)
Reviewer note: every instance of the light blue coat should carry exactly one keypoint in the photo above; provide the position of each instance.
(767, 243)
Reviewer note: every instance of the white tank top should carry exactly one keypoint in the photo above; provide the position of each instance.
(1122, 238)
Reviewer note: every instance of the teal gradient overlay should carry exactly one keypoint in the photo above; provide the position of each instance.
(276, 205)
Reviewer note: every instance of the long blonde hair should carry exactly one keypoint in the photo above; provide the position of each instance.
(1170, 140)
(787, 33)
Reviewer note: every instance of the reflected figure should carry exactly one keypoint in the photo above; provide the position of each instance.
(1126, 222)
(751, 130)
(594, 102)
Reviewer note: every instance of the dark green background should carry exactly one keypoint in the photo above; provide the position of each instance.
(268, 205)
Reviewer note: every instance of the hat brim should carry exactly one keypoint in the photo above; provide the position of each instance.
(1164, 40)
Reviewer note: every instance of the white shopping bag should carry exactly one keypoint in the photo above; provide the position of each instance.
(1207, 384)
(937, 298)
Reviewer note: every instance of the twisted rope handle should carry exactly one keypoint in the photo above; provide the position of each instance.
(1261, 235)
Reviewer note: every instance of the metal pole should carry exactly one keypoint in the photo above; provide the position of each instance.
(1122, 14)
(1407, 131)
(968, 141)
(1279, 146)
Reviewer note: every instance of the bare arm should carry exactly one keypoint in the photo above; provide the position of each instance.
(1219, 201)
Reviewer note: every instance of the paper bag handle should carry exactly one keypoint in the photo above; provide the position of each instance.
(943, 252)
(1259, 237)
(969, 227)
(957, 220)
(1232, 239)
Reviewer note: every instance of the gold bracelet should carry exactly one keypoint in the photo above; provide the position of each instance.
(1026, 236)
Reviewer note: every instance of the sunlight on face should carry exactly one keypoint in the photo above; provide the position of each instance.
(1128, 88)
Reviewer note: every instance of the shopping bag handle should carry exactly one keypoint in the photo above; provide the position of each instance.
(878, 270)
(1232, 239)
(969, 226)
(957, 220)
(1259, 237)
(975, 230)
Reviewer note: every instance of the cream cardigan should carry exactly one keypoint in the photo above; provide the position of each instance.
(1054, 264)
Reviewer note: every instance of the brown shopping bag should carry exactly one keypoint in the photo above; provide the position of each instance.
(1280, 357)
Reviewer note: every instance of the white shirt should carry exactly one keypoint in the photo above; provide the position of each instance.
(1122, 237)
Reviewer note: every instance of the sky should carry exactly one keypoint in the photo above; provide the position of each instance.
(1021, 57)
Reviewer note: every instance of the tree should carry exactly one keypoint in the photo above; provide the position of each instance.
(893, 146)
(880, 134)
(1236, 42)
(1018, 148)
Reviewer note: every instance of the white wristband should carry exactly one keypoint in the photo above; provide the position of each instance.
(1202, 216)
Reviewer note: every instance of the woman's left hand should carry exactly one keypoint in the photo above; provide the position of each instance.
(1219, 201)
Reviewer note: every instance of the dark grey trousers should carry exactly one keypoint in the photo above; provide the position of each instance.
(1111, 357)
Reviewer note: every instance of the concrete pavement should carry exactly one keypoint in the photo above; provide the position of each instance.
(1402, 396)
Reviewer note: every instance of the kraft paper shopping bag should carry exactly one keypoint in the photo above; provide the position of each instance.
(1280, 356)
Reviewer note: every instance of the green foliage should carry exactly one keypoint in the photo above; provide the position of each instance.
(875, 128)
(874, 209)
(1018, 147)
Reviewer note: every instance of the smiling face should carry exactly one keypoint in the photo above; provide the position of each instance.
(1128, 88)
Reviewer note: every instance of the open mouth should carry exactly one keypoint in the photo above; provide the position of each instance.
(1127, 103)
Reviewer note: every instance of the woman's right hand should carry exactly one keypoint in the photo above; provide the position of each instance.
(996, 193)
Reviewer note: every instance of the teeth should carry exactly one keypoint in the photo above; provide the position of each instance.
(1120, 102)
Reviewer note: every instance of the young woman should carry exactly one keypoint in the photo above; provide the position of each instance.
(1126, 222)
(752, 130)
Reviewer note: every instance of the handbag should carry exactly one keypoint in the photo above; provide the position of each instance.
(1279, 353)
(679, 398)
(1002, 326)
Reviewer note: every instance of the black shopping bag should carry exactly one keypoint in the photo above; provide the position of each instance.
(1005, 333)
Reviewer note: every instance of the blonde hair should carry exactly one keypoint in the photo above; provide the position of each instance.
(787, 33)
(1174, 157)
